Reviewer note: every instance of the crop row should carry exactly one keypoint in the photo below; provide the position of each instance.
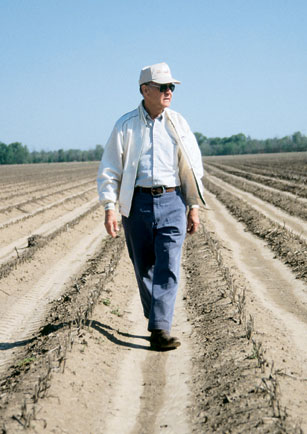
(291, 205)
(297, 189)
(42, 186)
(288, 166)
(44, 356)
(46, 208)
(284, 173)
(50, 193)
(36, 173)
(290, 248)
(16, 190)
(36, 242)
(231, 373)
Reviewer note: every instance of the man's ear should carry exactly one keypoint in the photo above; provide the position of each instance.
(144, 89)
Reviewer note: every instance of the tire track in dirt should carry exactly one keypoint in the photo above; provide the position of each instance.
(43, 209)
(276, 299)
(113, 382)
(110, 371)
(99, 383)
(64, 188)
(294, 224)
(291, 204)
(275, 282)
(45, 230)
(22, 312)
(290, 189)
(155, 382)
(288, 247)
(288, 166)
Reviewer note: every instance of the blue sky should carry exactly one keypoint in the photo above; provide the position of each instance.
(70, 68)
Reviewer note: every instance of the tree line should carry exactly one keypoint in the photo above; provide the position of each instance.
(241, 144)
(16, 153)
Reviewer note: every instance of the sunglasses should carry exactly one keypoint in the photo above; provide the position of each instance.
(163, 87)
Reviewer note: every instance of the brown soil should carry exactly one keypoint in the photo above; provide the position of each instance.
(74, 350)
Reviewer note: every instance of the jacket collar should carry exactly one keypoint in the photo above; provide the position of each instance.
(143, 113)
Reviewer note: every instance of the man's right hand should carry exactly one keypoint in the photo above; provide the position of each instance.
(110, 222)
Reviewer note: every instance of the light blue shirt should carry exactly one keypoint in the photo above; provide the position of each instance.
(158, 163)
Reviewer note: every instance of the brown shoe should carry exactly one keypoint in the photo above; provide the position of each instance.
(160, 340)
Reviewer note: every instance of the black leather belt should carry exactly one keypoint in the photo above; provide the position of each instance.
(155, 191)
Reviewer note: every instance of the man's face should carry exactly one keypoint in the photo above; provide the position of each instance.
(154, 99)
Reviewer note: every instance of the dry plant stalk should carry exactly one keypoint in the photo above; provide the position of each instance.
(249, 326)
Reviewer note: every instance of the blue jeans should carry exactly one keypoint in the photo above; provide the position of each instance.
(155, 231)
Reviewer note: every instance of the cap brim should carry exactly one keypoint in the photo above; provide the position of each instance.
(167, 80)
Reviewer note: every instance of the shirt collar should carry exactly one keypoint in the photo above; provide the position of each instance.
(148, 118)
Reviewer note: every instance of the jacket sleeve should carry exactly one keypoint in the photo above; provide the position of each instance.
(194, 151)
(190, 164)
(111, 168)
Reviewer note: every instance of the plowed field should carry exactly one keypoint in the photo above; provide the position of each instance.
(74, 350)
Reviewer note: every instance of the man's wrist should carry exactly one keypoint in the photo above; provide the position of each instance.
(193, 206)
(109, 206)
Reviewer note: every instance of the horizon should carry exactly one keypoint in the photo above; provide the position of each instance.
(99, 144)
(70, 69)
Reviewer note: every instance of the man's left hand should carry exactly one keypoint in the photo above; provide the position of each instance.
(193, 221)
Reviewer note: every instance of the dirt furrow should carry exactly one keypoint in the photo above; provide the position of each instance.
(23, 179)
(289, 166)
(18, 246)
(71, 325)
(27, 226)
(36, 243)
(157, 383)
(275, 300)
(65, 187)
(285, 201)
(288, 246)
(294, 224)
(32, 187)
(296, 189)
(35, 284)
(83, 398)
(28, 214)
(110, 382)
(46, 171)
(8, 190)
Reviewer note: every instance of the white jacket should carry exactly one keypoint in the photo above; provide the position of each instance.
(118, 167)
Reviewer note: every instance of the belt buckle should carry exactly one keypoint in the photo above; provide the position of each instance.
(157, 188)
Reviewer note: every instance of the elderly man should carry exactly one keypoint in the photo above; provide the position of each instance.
(152, 167)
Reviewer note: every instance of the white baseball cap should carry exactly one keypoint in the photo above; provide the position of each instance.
(159, 73)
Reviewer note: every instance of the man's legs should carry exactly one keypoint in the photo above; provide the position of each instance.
(170, 216)
(155, 231)
(139, 235)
